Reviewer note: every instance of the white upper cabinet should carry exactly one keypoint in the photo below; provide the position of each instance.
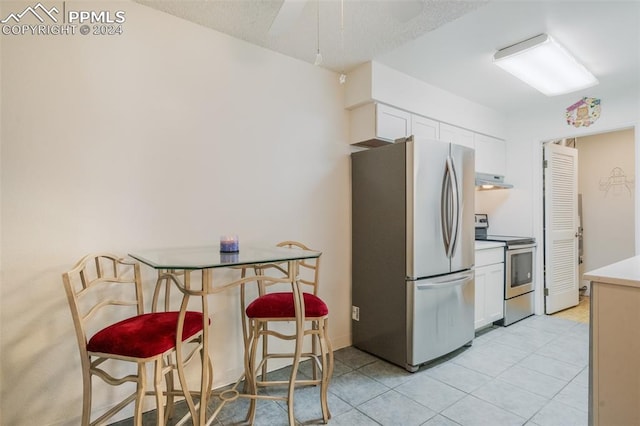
(392, 123)
(490, 155)
(424, 128)
(457, 135)
(373, 124)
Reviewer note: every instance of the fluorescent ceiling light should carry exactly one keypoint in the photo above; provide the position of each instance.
(545, 65)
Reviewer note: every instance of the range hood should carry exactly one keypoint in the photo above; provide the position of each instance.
(487, 181)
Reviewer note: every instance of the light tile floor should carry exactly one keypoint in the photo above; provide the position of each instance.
(533, 373)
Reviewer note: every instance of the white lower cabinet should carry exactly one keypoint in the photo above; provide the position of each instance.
(489, 294)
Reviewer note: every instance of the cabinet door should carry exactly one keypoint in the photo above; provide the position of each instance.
(481, 283)
(490, 155)
(489, 297)
(457, 135)
(424, 128)
(392, 123)
(615, 350)
(494, 293)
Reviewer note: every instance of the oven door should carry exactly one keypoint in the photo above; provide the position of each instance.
(519, 264)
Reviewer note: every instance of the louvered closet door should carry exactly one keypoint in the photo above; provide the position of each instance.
(561, 226)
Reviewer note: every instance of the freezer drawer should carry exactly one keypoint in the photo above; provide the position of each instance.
(440, 316)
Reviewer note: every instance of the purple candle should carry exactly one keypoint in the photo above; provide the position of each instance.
(229, 244)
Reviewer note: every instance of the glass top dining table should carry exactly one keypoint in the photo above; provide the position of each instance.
(210, 257)
(176, 265)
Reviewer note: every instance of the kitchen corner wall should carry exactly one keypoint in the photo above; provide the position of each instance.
(521, 212)
(607, 180)
(375, 82)
(168, 135)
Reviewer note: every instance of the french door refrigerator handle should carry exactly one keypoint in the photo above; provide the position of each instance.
(445, 214)
(455, 232)
(449, 207)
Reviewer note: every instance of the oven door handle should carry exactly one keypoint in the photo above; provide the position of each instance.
(517, 248)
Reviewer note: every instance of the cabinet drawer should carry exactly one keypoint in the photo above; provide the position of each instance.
(489, 256)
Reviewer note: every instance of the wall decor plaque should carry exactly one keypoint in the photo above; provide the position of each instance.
(584, 112)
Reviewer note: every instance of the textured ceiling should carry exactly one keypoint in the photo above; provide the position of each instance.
(604, 35)
(351, 31)
(446, 43)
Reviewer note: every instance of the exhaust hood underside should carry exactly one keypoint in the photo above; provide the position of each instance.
(486, 181)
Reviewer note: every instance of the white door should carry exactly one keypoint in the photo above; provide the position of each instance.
(561, 227)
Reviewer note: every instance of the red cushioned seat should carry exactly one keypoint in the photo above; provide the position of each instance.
(144, 336)
(280, 305)
(102, 283)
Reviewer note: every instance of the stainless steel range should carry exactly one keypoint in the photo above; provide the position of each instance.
(519, 267)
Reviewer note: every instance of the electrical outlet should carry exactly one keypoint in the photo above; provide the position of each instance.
(355, 313)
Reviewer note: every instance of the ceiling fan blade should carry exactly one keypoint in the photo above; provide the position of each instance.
(289, 12)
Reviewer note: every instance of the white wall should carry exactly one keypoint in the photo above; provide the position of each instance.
(608, 206)
(169, 135)
(519, 211)
(373, 81)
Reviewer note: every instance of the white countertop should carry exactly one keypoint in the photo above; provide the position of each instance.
(626, 272)
(482, 245)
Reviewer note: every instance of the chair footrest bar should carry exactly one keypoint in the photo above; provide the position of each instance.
(305, 382)
(187, 416)
(114, 410)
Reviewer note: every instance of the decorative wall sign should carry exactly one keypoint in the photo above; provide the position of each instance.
(584, 112)
(617, 183)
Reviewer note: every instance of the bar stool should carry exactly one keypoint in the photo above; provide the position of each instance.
(277, 307)
(103, 287)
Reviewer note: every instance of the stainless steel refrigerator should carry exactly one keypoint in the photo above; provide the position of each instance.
(413, 250)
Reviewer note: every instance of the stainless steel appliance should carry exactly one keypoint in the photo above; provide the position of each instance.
(412, 250)
(486, 181)
(518, 271)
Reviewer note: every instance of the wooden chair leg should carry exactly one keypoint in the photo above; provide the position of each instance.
(292, 380)
(157, 386)
(329, 349)
(314, 348)
(265, 351)
(141, 390)
(254, 330)
(248, 363)
(170, 405)
(86, 398)
(327, 369)
(210, 383)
